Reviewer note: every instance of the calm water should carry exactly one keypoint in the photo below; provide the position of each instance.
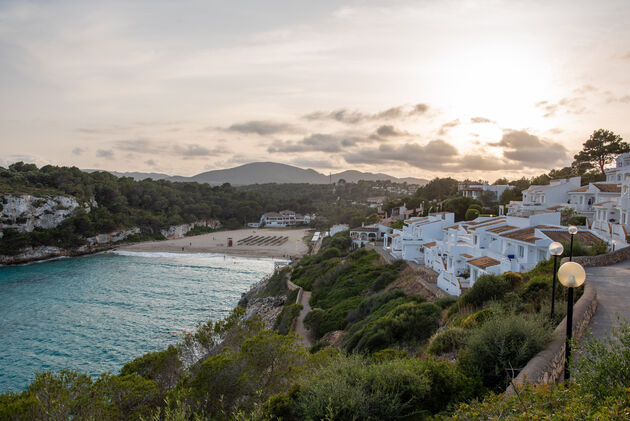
(95, 313)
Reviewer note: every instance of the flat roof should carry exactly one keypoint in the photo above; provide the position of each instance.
(484, 262)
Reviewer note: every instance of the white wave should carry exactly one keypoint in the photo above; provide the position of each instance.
(163, 254)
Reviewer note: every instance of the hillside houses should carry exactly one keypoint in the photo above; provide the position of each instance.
(461, 252)
(476, 190)
(542, 199)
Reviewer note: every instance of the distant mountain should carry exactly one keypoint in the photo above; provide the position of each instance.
(270, 172)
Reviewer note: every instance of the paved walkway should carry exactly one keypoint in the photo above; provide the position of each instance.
(613, 296)
(300, 329)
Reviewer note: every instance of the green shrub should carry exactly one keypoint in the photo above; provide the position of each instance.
(503, 343)
(352, 389)
(389, 354)
(486, 287)
(448, 340)
(445, 302)
(331, 252)
(164, 367)
(471, 214)
(334, 318)
(478, 318)
(286, 318)
(514, 278)
(410, 322)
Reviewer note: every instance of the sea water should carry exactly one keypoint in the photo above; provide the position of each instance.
(95, 313)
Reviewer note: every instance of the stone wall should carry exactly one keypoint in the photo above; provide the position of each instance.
(603, 259)
(548, 365)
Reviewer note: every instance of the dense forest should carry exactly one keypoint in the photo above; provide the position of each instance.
(154, 205)
(399, 357)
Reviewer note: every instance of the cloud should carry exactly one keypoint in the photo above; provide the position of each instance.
(344, 115)
(77, 151)
(566, 105)
(478, 120)
(444, 128)
(103, 153)
(529, 150)
(387, 130)
(194, 151)
(150, 162)
(317, 142)
(261, 127)
(432, 156)
(313, 163)
(140, 145)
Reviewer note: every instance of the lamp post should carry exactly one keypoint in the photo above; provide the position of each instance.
(572, 230)
(614, 243)
(555, 249)
(571, 275)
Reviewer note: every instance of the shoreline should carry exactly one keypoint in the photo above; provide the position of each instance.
(290, 244)
(212, 243)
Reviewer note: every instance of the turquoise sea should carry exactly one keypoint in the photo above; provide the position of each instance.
(96, 312)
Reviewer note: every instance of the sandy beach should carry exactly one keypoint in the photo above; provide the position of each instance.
(246, 242)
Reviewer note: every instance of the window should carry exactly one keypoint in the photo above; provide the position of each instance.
(474, 274)
(475, 240)
(521, 251)
(581, 200)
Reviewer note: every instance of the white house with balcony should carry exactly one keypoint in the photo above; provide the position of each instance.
(475, 190)
(542, 199)
(611, 213)
(368, 233)
(283, 218)
(408, 243)
(584, 199)
(495, 245)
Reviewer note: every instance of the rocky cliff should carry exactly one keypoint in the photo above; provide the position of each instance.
(25, 212)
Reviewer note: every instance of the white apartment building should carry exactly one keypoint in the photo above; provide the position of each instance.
(474, 190)
(584, 199)
(542, 199)
(368, 233)
(408, 243)
(495, 245)
(611, 217)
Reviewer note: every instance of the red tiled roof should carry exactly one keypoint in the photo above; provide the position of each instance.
(484, 262)
(584, 237)
(466, 255)
(608, 188)
(526, 235)
(431, 244)
(580, 190)
(604, 203)
(364, 229)
(501, 229)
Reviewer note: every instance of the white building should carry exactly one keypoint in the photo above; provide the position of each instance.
(408, 242)
(475, 190)
(611, 217)
(368, 233)
(541, 199)
(495, 245)
(283, 218)
(584, 199)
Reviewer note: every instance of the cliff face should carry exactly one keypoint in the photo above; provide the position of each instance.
(25, 212)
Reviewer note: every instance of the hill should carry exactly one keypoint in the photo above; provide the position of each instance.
(270, 172)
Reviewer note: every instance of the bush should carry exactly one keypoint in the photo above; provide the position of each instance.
(486, 288)
(448, 340)
(514, 278)
(352, 389)
(503, 343)
(331, 252)
(477, 319)
(471, 214)
(445, 302)
(286, 318)
(164, 367)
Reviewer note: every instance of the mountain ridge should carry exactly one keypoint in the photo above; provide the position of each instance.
(269, 172)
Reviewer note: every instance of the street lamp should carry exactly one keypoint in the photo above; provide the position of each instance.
(556, 250)
(571, 275)
(572, 230)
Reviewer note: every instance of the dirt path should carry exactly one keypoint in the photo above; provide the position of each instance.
(304, 299)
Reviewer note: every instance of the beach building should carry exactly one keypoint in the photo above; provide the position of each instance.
(475, 190)
(283, 218)
(368, 233)
(542, 199)
(408, 243)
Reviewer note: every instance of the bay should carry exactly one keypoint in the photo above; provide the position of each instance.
(94, 313)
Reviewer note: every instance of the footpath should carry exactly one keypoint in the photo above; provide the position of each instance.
(303, 298)
(613, 295)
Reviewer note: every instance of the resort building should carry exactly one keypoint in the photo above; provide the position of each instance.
(408, 243)
(495, 245)
(283, 218)
(475, 190)
(542, 199)
(368, 233)
(584, 199)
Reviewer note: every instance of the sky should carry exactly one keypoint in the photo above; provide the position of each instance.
(469, 89)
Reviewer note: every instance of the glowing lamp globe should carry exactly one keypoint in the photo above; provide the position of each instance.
(556, 248)
(573, 230)
(571, 275)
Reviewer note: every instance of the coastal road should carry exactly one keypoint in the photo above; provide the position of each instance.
(613, 296)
